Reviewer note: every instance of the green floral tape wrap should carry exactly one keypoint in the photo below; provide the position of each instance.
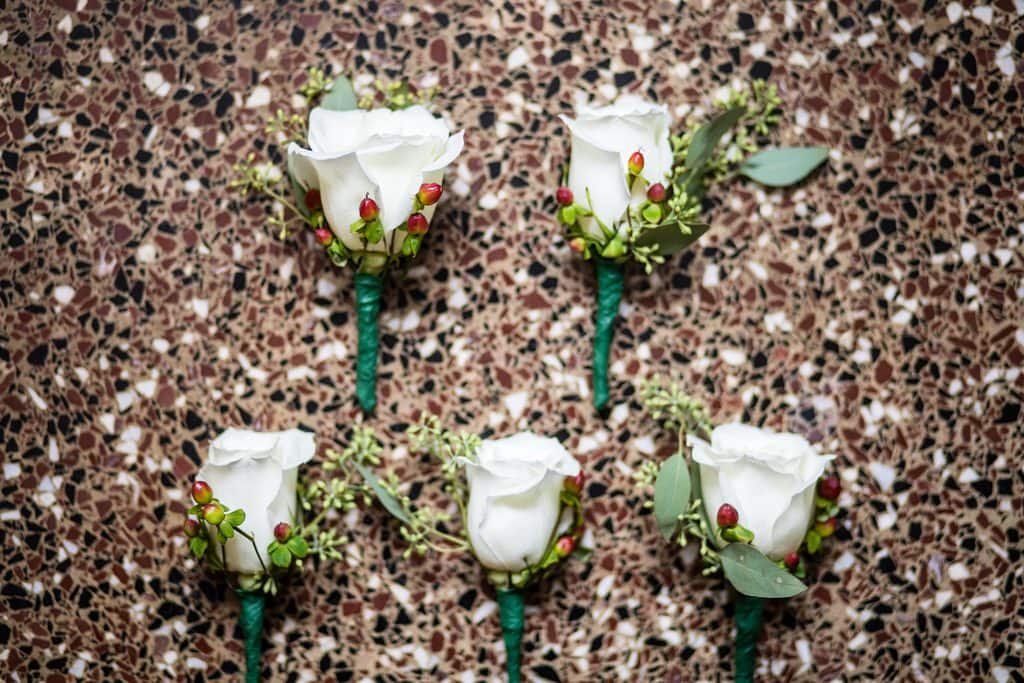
(367, 310)
(609, 293)
(510, 604)
(748, 623)
(252, 629)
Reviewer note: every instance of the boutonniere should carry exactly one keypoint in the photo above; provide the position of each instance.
(365, 176)
(758, 502)
(520, 508)
(633, 190)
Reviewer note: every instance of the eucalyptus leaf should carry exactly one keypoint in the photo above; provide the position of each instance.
(670, 238)
(784, 166)
(341, 96)
(753, 574)
(383, 495)
(708, 135)
(671, 494)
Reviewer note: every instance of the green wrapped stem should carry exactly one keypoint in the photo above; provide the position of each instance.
(367, 311)
(748, 623)
(609, 293)
(252, 630)
(510, 605)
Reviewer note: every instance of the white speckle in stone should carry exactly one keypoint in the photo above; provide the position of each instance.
(192, 186)
(107, 420)
(1004, 60)
(844, 562)
(758, 270)
(155, 83)
(325, 287)
(942, 598)
(734, 356)
(777, 322)
(797, 58)
(516, 403)
(483, 611)
(968, 251)
(54, 452)
(147, 253)
(201, 307)
(161, 345)
(146, 387)
(78, 668)
(64, 129)
(884, 474)
(285, 271)
(11, 470)
(125, 400)
(868, 39)
(916, 59)
(757, 50)
(968, 476)
(37, 399)
(983, 13)
(954, 11)
(958, 571)
(886, 520)
(710, 278)
(902, 317)
(63, 294)
(106, 56)
(604, 587)
(858, 642)
(65, 24)
(260, 97)
(518, 57)
(1001, 675)
(644, 444)
(45, 116)
(195, 663)
(489, 201)
(955, 387)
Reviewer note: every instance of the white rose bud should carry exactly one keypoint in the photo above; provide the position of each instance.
(255, 472)
(379, 153)
(515, 487)
(768, 477)
(603, 139)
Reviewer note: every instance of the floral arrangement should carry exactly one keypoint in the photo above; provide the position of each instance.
(365, 176)
(633, 191)
(757, 501)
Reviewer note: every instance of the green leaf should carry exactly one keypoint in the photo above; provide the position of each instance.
(281, 557)
(708, 135)
(298, 546)
(813, 541)
(198, 546)
(374, 232)
(389, 502)
(567, 214)
(670, 238)
(235, 517)
(226, 530)
(671, 494)
(784, 166)
(751, 573)
(652, 213)
(341, 96)
(298, 192)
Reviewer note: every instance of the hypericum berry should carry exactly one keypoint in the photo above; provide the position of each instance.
(283, 531)
(312, 200)
(201, 492)
(417, 224)
(429, 193)
(578, 244)
(728, 516)
(368, 209)
(213, 513)
(656, 193)
(191, 527)
(575, 483)
(791, 560)
(826, 528)
(323, 236)
(828, 488)
(563, 196)
(636, 163)
(565, 545)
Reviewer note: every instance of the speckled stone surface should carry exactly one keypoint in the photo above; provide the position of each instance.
(877, 308)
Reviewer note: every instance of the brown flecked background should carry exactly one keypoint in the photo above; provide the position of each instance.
(876, 308)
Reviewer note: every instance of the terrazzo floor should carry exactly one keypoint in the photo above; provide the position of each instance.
(876, 308)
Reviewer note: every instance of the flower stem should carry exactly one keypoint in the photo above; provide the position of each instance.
(609, 293)
(252, 629)
(368, 289)
(510, 605)
(748, 623)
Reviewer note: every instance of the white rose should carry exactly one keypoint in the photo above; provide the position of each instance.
(255, 472)
(381, 153)
(515, 487)
(603, 138)
(768, 477)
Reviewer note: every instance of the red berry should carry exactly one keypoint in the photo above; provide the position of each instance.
(564, 196)
(312, 199)
(191, 527)
(201, 492)
(828, 487)
(575, 483)
(565, 545)
(368, 209)
(213, 513)
(578, 244)
(656, 193)
(636, 163)
(792, 560)
(417, 224)
(323, 236)
(283, 531)
(429, 193)
(728, 516)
